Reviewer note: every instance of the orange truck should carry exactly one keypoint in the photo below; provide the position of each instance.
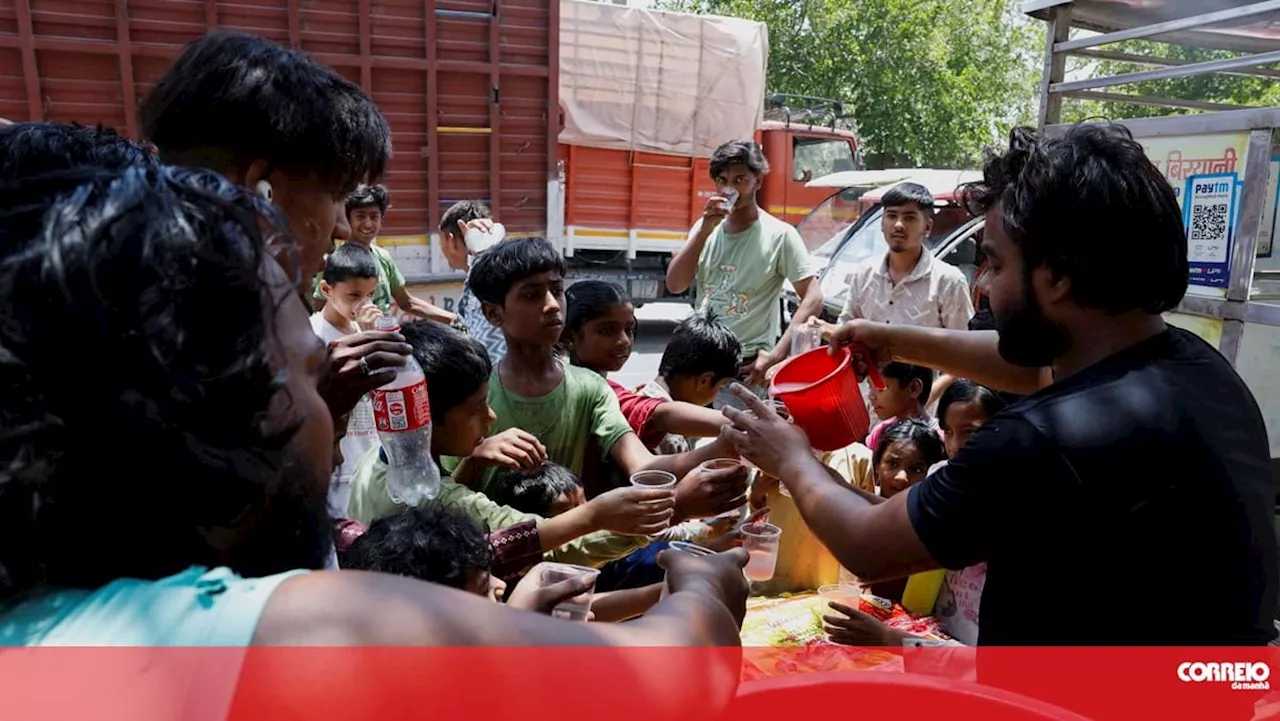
(585, 122)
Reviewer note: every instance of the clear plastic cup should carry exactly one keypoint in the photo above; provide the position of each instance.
(761, 541)
(576, 608)
(654, 479)
(730, 198)
(848, 594)
(692, 548)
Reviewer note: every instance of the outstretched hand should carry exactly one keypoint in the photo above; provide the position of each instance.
(762, 436)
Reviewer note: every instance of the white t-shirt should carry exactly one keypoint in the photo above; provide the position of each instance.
(361, 435)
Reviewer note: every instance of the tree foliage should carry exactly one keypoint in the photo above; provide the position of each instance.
(930, 82)
(1213, 88)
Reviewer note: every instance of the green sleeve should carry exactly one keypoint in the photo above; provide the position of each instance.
(395, 279)
(596, 549)
(793, 258)
(607, 422)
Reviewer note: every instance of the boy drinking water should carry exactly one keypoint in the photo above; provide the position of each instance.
(347, 284)
(521, 286)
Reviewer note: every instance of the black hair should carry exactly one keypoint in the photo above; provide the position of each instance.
(963, 390)
(36, 160)
(701, 343)
(904, 193)
(368, 196)
(457, 365)
(1089, 193)
(246, 98)
(904, 373)
(432, 543)
(916, 432)
(498, 269)
(463, 211)
(588, 300)
(533, 491)
(165, 272)
(349, 261)
(30, 149)
(739, 152)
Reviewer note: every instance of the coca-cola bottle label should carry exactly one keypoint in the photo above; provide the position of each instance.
(401, 409)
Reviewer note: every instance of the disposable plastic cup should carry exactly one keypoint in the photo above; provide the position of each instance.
(848, 594)
(576, 608)
(761, 541)
(654, 479)
(691, 548)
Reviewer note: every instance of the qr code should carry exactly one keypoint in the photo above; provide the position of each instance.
(1209, 222)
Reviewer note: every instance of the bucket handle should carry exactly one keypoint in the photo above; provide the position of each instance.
(873, 372)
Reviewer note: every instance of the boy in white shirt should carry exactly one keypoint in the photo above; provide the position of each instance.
(348, 283)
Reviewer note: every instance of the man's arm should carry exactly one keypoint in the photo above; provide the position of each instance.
(684, 265)
(810, 292)
(704, 607)
(874, 540)
(963, 353)
(421, 308)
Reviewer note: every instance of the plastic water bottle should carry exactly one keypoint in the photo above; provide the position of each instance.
(402, 415)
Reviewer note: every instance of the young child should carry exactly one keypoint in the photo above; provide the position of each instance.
(963, 408)
(599, 334)
(348, 283)
(701, 356)
(520, 283)
(902, 458)
(433, 543)
(459, 372)
(906, 391)
(437, 544)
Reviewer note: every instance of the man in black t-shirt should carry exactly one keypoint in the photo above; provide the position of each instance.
(1127, 500)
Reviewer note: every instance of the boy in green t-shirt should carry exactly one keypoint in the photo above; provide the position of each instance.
(458, 371)
(366, 208)
(520, 284)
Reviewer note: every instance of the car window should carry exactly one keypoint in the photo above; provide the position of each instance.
(966, 254)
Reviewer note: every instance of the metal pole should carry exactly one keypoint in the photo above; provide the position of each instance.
(1055, 65)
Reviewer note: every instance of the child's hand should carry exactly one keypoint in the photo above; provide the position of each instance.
(367, 317)
(856, 628)
(634, 511)
(703, 492)
(531, 595)
(733, 537)
(512, 448)
(761, 487)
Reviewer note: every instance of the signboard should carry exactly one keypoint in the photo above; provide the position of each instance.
(1179, 158)
(1209, 216)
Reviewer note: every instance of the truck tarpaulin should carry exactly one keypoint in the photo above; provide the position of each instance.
(661, 82)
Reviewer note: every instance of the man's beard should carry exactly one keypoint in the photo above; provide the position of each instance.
(1027, 338)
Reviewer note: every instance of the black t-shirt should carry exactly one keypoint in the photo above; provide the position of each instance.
(1131, 504)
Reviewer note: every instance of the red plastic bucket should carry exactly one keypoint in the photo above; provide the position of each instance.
(821, 392)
